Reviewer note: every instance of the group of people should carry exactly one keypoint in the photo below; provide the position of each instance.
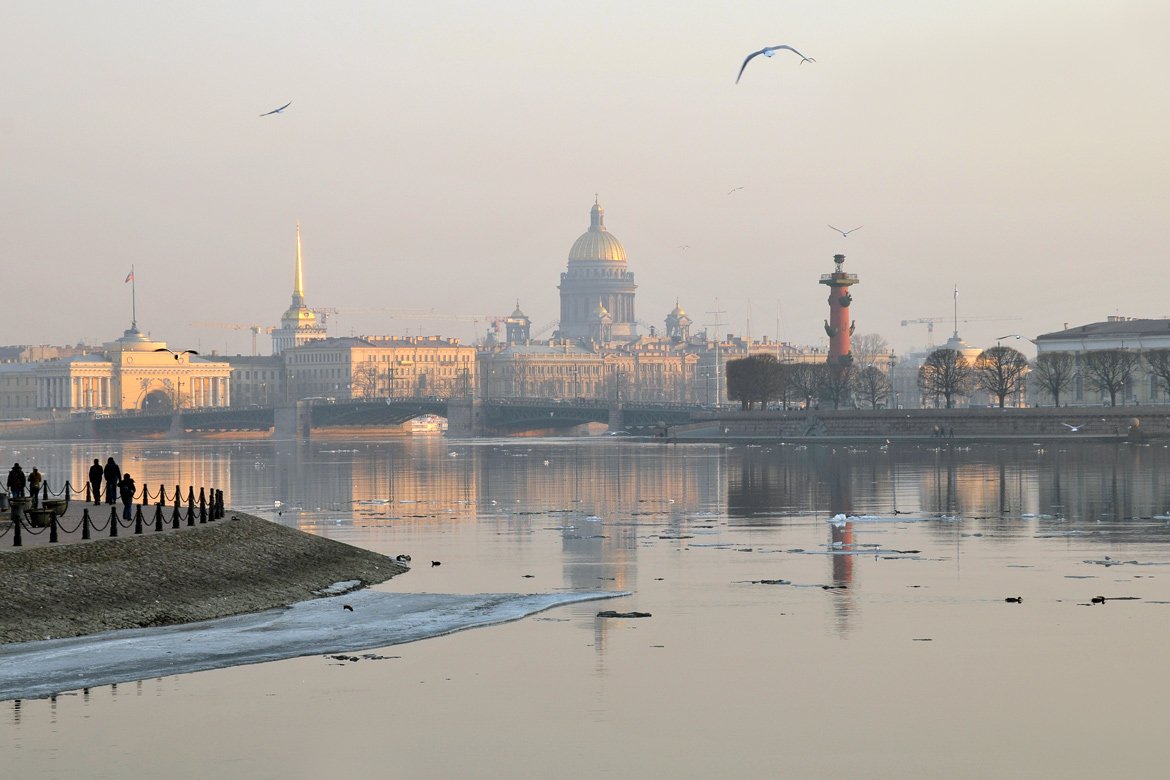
(18, 481)
(118, 484)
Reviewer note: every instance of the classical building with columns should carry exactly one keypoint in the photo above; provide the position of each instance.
(597, 289)
(134, 372)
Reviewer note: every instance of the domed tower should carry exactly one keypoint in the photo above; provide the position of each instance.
(600, 324)
(299, 323)
(678, 324)
(518, 326)
(597, 273)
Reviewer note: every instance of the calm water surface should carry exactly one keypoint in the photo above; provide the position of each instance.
(890, 653)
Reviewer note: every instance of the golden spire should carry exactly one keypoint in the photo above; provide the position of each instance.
(299, 281)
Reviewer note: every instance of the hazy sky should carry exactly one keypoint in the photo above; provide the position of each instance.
(444, 156)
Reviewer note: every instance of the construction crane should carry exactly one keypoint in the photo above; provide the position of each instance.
(256, 329)
(930, 321)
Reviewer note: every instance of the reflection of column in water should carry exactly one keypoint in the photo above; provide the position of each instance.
(840, 553)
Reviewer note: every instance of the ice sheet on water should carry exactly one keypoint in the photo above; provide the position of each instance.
(840, 520)
(37, 669)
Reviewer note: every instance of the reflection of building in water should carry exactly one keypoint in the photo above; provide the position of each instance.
(957, 483)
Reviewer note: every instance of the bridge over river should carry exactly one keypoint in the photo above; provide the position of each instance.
(466, 417)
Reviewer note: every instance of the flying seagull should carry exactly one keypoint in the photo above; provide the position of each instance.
(177, 354)
(733, 189)
(770, 51)
(277, 110)
(1074, 428)
(847, 232)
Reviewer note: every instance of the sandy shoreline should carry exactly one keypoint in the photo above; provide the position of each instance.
(238, 565)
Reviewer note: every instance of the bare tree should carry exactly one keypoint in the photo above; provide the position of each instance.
(753, 380)
(835, 383)
(1159, 362)
(1055, 372)
(805, 380)
(364, 381)
(1000, 371)
(872, 384)
(1109, 370)
(869, 349)
(945, 373)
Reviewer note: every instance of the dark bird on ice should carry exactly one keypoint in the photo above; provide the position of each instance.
(1014, 599)
(347, 607)
(177, 354)
(770, 51)
(277, 110)
(847, 232)
(436, 563)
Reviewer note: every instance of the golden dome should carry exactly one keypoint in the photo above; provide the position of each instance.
(597, 243)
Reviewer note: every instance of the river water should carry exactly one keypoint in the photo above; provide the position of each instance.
(781, 644)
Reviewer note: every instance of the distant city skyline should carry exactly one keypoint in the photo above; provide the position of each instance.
(988, 147)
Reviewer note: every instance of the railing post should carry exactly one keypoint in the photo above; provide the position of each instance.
(219, 504)
(85, 523)
(113, 521)
(158, 517)
(191, 505)
(175, 513)
(162, 494)
(16, 539)
(45, 492)
(138, 520)
(202, 507)
(52, 527)
(88, 497)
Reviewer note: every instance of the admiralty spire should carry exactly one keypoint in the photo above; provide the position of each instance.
(299, 323)
(597, 279)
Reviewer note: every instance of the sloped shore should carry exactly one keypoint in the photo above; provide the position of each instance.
(237, 565)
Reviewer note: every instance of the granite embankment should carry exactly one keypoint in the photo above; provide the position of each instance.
(237, 565)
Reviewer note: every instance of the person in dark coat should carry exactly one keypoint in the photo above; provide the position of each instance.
(16, 483)
(96, 473)
(127, 489)
(112, 474)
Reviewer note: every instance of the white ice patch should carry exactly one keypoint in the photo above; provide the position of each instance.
(33, 670)
(840, 520)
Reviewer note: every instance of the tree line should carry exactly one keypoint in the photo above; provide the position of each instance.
(946, 375)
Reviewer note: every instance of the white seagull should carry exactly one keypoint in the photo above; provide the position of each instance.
(847, 232)
(177, 354)
(770, 51)
(277, 110)
(1074, 428)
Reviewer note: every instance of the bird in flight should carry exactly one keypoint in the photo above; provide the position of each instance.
(1074, 428)
(684, 247)
(277, 110)
(733, 189)
(770, 51)
(177, 354)
(847, 232)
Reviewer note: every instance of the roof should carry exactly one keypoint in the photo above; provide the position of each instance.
(1114, 327)
(597, 243)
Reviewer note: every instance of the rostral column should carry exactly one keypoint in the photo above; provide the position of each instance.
(838, 327)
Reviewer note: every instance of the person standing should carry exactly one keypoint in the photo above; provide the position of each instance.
(95, 481)
(16, 483)
(112, 474)
(35, 480)
(127, 488)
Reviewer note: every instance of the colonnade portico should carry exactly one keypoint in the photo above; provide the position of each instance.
(76, 392)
